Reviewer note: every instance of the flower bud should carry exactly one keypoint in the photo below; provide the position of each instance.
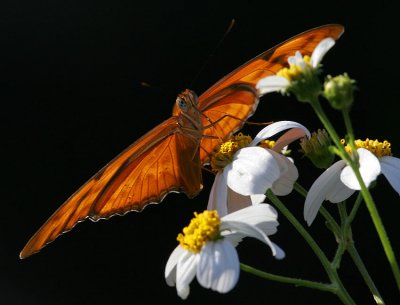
(339, 90)
(317, 149)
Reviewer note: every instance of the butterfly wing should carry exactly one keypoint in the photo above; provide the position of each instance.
(162, 161)
(233, 99)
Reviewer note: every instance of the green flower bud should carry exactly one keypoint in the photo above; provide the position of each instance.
(317, 149)
(339, 90)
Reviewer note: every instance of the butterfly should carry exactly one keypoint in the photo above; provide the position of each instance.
(169, 158)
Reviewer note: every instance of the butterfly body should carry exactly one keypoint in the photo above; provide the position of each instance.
(169, 157)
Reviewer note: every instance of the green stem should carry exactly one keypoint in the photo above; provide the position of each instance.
(354, 210)
(329, 128)
(288, 280)
(341, 292)
(364, 273)
(349, 127)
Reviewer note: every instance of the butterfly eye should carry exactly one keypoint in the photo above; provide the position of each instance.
(181, 103)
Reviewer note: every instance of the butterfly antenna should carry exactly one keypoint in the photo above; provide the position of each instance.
(159, 89)
(207, 61)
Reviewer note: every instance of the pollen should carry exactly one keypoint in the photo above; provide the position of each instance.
(224, 154)
(267, 144)
(203, 227)
(379, 149)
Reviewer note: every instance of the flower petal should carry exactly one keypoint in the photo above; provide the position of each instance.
(291, 136)
(271, 83)
(264, 216)
(297, 59)
(320, 190)
(370, 168)
(218, 198)
(391, 169)
(218, 267)
(289, 174)
(185, 273)
(248, 230)
(170, 268)
(252, 171)
(320, 51)
(275, 128)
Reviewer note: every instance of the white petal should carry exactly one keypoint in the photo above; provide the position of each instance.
(271, 83)
(289, 174)
(320, 51)
(218, 267)
(320, 190)
(297, 59)
(275, 128)
(257, 198)
(339, 192)
(248, 230)
(252, 171)
(280, 254)
(391, 169)
(290, 136)
(185, 273)
(370, 168)
(218, 198)
(264, 216)
(237, 201)
(170, 268)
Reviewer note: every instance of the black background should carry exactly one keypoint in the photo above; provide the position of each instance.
(72, 99)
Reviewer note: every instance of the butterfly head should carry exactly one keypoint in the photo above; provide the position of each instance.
(187, 101)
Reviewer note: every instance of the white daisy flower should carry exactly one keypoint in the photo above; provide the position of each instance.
(246, 171)
(339, 182)
(207, 248)
(299, 66)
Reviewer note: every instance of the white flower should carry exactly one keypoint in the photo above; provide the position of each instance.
(297, 64)
(212, 258)
(339, 182)
(255, 169)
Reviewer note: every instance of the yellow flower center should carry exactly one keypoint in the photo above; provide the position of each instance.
(224, 154)
(267, 144)
(294, 71)
(379, 149)
(202, 228)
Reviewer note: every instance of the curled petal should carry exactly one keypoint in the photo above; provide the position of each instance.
(275, 128)
(272, 83)
(218, 198)
(320, 189)
(263, 216)
(218, 267)
(252, 171)
(280, 254)
(290, 136)
(185, 273)
(248, 230)
(289, 174)
(370, 168)
(238, 201)
(391, 169)
(320, 51)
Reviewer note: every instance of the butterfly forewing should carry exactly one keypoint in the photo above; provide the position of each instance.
(162, 161)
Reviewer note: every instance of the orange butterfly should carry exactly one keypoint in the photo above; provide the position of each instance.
(169, 157)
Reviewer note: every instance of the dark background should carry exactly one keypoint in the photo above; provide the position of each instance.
(72, 99)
